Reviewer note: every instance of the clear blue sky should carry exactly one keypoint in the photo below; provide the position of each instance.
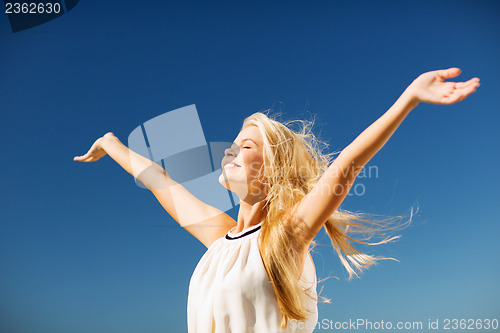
(83, 249)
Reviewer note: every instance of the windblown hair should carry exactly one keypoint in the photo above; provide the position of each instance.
(293, 163)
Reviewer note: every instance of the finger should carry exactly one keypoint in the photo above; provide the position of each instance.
(469, 90)
(461, 94)
(83, 158)
(472, 81)
(450, 72)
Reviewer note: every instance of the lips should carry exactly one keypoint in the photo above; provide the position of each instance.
(231, 165)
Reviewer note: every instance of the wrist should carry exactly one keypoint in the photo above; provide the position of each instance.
(107, 140)
(109, 134)
(410, 98)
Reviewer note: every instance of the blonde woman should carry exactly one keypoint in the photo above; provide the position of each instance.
(257, 274)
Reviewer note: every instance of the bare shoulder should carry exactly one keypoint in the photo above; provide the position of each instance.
(211, 229)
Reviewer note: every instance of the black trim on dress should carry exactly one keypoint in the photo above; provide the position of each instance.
(245, 234)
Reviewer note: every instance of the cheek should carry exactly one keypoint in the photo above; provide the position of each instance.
(254, 166)
(253, 163)
(253, 169)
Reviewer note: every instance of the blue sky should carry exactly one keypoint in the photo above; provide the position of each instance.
(84, 249)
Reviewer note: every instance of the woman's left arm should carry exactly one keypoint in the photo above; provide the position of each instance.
(334, 185)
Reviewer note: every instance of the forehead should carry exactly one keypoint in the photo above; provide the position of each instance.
(250, 132)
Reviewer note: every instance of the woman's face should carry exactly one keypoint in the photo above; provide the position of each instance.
(242, 162)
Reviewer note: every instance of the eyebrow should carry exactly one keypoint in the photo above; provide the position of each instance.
(246, 140)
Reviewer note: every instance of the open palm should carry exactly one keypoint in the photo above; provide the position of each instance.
(431, 87)
(95, 153)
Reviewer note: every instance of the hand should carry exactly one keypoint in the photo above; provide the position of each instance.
(95, 152)
(431, 87)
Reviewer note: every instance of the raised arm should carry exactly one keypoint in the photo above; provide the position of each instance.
(203, 221)
(142, 168)
(334, 185)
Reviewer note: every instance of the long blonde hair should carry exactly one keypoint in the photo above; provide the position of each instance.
(293, 163)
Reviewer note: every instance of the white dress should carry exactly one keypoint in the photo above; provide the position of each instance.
(230, 291)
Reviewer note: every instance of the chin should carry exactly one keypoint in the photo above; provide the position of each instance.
(237, 187)
(225, 182)
(222, 179)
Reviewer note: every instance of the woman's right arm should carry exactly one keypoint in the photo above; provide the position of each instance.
(146, 171)
(203, 221)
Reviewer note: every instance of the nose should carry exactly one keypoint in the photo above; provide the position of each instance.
(231, 152)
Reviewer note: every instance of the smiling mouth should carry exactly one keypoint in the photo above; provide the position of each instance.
(231, 165)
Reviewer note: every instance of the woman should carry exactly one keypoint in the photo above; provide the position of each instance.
(257, 274)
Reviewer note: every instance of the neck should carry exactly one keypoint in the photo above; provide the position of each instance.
(250, 214)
